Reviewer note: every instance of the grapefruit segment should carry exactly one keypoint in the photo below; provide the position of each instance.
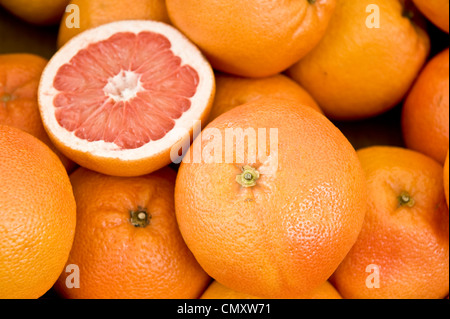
(123, 91)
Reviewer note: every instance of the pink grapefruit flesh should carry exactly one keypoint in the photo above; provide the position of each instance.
(129, 96)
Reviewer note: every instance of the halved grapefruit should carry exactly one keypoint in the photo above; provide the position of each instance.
(116, 98)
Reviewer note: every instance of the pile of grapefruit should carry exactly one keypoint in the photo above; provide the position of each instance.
(199, 149)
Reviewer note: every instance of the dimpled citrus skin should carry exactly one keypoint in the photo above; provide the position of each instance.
(37, 215)
(435, 10)
(409, 244)
(252, 38)
(286, 235)
(232, 91)
(118, 260)
(357, 72)
(446, 186)
(93, 13)
(425, 118)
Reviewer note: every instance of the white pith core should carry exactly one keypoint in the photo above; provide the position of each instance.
(124, 86)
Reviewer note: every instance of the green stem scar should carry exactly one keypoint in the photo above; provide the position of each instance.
(406, 200)
(248, 177)
(312, 1)
(139, 218)
(6, 97)
(408, 14)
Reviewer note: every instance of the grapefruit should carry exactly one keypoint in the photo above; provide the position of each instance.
(437, 11)
(19, 80)
(117, 97)
(37, 215)
(402, 251)
(93, 13)
(127, 245)
(446, 188)
(232, 91)
(38, 12)
(273, 210)
(360, 70)
(218, 291)
(252, 38)
(425, 113)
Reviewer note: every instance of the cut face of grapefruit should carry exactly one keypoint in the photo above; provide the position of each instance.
(116, 98)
